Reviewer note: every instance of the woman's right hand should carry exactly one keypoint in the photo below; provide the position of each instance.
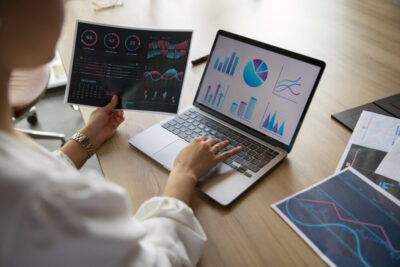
(193, 162)
(200, 156)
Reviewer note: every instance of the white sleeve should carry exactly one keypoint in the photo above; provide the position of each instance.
(87, 222)
(180, 227)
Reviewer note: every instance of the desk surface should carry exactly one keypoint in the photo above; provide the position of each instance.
(359, 41)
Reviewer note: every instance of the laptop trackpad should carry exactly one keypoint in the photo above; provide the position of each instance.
(167, 155)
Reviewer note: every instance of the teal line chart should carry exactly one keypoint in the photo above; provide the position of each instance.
(287, 88)
(170, 74)
(348, 220)
(380, 227)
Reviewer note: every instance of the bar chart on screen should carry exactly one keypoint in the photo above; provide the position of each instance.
(244, 110)
(227, 65)
(215, 96)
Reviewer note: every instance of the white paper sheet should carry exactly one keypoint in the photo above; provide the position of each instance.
(390, 165)
(373, 131)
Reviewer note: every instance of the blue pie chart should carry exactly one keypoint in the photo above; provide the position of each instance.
(255, 73)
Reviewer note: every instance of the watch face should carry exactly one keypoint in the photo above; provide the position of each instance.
(85, 141)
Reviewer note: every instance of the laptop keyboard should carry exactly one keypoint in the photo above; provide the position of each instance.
(253, 156)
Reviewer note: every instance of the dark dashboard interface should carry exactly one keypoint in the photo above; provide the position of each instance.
(145, 68)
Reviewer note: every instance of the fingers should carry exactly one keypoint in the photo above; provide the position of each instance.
(113, 103)
(211, 142)
(228, 153)
(199, 139)
(118, 113)
(218, 146)
(117, 118)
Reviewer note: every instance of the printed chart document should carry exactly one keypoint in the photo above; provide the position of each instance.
(145, 68)
(372, 138)
(347, 220)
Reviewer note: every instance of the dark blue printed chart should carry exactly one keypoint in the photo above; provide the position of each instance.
(145, 68)
(347, 220)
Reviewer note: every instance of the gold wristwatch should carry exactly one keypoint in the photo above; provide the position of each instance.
(84, 141)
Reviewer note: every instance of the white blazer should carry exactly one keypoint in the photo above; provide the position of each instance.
(51, 214)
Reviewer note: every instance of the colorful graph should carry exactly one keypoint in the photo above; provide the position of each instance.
(217, 98)
(271, 123)
(286, 85)
(347, 220)
(244, 110)
(167, 49)
(132, 43)
(170, 74)
(255, 73)
(111, 40)
(156, 95)
(229, 66)
(89, 38)
(287, 88)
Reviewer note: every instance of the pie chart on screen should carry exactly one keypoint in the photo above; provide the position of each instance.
(255, 73)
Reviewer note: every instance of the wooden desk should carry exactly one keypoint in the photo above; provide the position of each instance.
(359, 41)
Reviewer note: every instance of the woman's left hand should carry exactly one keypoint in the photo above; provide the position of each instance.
(103, 123)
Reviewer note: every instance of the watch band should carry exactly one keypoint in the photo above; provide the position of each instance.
(84, 141)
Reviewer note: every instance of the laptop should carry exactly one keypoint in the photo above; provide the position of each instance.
(253, 94)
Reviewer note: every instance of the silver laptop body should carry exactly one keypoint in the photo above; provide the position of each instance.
(251, 93)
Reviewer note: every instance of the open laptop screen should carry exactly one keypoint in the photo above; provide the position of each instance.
(259, 86)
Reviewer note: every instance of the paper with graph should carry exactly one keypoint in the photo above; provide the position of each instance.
(144, 67)
(372, 138)
(347, 220)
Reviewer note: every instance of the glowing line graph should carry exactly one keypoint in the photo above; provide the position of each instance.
(282, 83)
(170, 74)
(330, 224)
(380, 227)
(346, 221)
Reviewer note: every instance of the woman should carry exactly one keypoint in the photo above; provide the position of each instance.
(53, 215)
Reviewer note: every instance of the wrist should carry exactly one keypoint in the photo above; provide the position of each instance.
(84, 142)
(180, 185)
(92, 136)
(185, 174)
